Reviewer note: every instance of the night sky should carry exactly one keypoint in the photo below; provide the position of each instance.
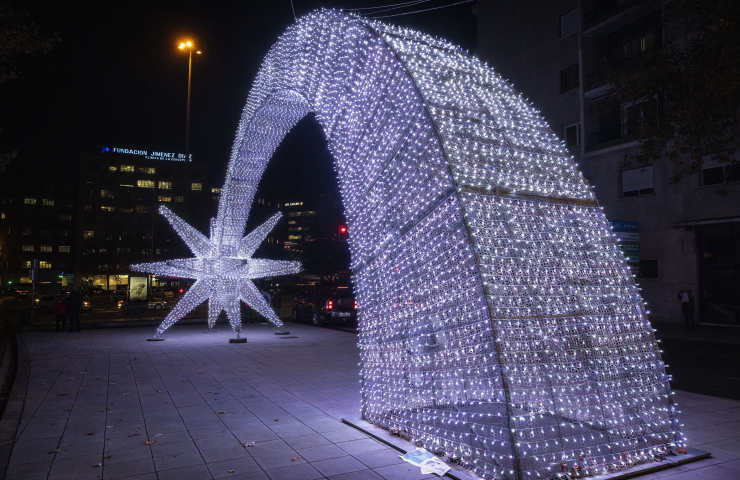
(117, 78)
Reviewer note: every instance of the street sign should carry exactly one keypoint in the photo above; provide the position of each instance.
(618, 226)
(629, 248)
(627, 236)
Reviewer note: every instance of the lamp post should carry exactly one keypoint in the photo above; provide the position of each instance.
(189, 45)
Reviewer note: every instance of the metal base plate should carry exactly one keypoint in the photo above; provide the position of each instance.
(238, 340)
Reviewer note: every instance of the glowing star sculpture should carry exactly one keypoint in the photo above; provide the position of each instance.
(499, 323)
(223, 275)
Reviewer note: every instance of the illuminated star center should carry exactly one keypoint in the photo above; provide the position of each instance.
(223, 280)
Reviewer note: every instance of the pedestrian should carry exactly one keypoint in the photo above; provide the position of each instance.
(60, 310)
(277, 302)
(266, 295)
(74, 306)
(687, 308)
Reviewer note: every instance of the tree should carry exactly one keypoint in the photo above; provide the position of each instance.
(19, 37)
(696, 83)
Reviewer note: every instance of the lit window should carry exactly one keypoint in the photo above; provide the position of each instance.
(48, 202)
(179, 199)
(125, 210)
(64, 249)
(112, 168)
(126, 185)
(164, 199)
(108, 194)
(215, 190)
(46, 249)
(165, 185)
(294, 237)
(44, 265)
(26, 264)
(106, 208)
(2, 215)
(65, 218)
(142, 209)
(638, 181)
(29, 201)
(27, 248)
(147, 170)
(145, 183)
(302, 214)
(87, 234)
(127, 168)
(196, 186)
(291, 222)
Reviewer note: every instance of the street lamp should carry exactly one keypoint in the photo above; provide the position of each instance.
(189, 46)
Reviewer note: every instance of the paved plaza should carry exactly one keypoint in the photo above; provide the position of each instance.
(107, 404)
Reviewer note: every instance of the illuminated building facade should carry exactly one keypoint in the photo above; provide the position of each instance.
(119, 192)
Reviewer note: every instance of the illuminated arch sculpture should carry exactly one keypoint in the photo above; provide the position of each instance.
(499, 323)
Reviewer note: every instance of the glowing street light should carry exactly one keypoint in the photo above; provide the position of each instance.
(189, 45)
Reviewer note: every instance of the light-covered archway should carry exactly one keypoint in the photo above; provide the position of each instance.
(499, 323)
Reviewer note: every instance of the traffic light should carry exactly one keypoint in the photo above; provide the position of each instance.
(343, 232)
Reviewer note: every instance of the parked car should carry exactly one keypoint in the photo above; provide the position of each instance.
(150, 305)
(335, 305)
(45, 304)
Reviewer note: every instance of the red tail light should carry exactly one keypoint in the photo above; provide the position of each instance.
(181, 290)
(355, 304)
(329, 305)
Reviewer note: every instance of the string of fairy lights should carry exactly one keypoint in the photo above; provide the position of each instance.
(499, 325)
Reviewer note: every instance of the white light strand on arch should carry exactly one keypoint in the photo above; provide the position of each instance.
(499, 324)
(223, 276)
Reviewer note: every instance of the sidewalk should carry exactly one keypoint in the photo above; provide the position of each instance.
(107, 404)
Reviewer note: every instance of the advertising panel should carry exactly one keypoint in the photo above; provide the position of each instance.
(138, 289)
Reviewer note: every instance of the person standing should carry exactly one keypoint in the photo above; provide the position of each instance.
(60, 310)
(74, 306)
(277, 302)
(687, 308)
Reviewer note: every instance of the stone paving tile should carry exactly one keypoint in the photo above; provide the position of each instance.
(171, 393)
(295, 472)
(337, 466)
(128, 469)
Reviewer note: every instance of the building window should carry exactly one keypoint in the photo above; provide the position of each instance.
(112, 168)
(164, 199)
(569, 23)
(127, 168)
(106, 208)
(63, 248)
(44, 265)
(572, 134)
(108, 194)
(48, 202)
(88, 234)
(216, 190)
(179, 199)
(715, 173)
(291, 222)
(26, 264)
(45, 249)
(639, 44)
(294, 237)
(27, 231)
(145, 183)
(196, 186)
(65, 218)
(27, 248)
(638, 181)
(29, 201)
(165, 185)
(125, 210)
(147, 170)
(569, 78)
(634, 114)
(64, 233)
(142, 209)
(302, 214)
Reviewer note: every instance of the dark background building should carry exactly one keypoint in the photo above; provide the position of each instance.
(688, 236)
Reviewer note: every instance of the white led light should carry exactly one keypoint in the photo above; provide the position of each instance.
(499, 323)
(223, 275)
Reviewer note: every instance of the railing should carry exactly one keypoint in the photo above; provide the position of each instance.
(607, 137)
